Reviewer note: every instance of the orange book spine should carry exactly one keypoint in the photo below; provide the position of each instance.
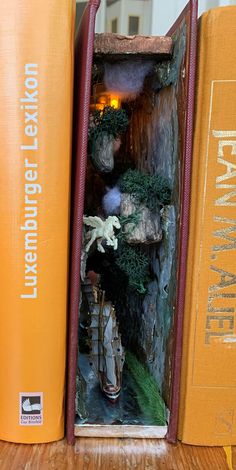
(36, 82)
(208, 383)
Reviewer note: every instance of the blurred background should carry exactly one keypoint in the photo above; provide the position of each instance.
(148, 17)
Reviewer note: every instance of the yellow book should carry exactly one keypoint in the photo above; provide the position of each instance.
(208, 383)
(36, 81)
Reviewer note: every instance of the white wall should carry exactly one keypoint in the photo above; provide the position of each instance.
(157, 16)
(100, 26)
(122, 9)
(113, 12)
(165, 12)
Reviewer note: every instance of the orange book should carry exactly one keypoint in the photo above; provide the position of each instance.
(36, 82)
(208, 383)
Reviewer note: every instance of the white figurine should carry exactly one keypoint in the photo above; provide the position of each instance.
(102, 230)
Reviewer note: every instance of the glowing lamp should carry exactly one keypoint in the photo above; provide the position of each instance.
(102, 98)
(114, 101)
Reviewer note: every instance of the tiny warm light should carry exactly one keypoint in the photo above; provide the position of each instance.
(102, 100)
(114, 102)
(99, 106)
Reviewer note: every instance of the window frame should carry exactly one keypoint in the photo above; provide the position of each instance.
(139, 22)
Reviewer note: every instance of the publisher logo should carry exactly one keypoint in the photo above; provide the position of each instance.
(31, 409)
(224, 422)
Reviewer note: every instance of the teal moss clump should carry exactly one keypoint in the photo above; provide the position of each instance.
(151, 190)
(148, 396)
(135, 265)
(132, 220)
(110, 121)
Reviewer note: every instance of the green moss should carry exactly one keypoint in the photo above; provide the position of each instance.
(109, 120)
(135, 265)
(133, 220)
(147, 393)
(149, 190)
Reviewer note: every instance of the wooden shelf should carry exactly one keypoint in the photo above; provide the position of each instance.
(124, 431)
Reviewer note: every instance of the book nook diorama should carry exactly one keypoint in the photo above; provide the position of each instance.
(130, 234)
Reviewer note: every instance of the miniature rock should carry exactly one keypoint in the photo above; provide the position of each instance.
(103, 155)
(148, 230)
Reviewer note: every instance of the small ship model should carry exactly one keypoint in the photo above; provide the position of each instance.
(106, 351)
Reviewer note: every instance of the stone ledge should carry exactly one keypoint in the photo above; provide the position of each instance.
(116, 45)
